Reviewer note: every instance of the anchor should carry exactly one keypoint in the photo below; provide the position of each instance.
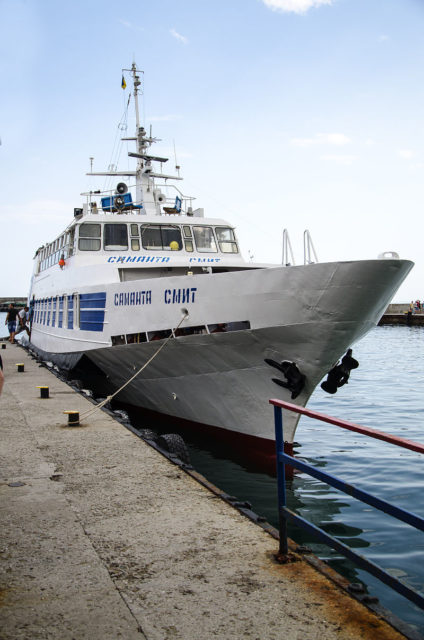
(295, 380)
(339, 374)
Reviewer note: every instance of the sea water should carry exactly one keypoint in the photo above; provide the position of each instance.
(386, 392)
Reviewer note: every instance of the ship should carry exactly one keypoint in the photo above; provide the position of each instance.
(155, 297)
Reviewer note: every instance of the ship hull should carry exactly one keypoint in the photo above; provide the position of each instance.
(224, 381)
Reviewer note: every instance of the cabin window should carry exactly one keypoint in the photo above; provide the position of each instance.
(70, 322)
(70, 242)
(55, 304)
(136, 338)
(205, 240)
(64, 303)
(188, 245)
(187, 231)
(190, 331)
(226, 239)
(161, 236)
(89, 237)
(115, 237)
(159, 335)
(135, 237)
(76, 311)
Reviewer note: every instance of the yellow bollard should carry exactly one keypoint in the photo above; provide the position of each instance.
(73, 418)
(21, 367)
(44, 392)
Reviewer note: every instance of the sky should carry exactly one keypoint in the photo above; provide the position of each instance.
(297, 114)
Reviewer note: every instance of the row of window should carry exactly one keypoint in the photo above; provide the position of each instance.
(160, 237)
(77, 311)
(51, 253)
(152, 237)
(136, 338)
(86, 312)
(58, 311)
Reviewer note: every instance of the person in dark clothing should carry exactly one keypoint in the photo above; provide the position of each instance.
(11, 322)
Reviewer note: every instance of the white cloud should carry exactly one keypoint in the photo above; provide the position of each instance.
(336, 139)
(130, 25)
(339, 159)
(295, 6)
(406, 153)
(178, 36)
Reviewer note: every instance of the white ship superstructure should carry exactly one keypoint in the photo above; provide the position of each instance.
(137, 259)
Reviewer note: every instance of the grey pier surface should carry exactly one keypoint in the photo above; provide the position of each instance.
(103, 537)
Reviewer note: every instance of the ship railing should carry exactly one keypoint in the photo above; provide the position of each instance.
(186, 201)
(286, 515)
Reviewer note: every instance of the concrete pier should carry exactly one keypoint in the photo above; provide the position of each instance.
(104, 538)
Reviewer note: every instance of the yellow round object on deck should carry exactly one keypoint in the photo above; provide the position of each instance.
(174, 246)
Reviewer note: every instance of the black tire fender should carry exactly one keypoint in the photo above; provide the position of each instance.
(173, 443)
(148, 434)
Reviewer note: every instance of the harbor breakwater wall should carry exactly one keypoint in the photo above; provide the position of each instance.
(400, 313)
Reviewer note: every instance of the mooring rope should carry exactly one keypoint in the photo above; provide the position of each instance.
(101, 404)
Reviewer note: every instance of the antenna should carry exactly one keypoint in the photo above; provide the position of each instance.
(177, 166)
(91, 165)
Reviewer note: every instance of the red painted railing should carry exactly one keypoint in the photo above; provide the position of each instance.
(351, 426)
(286, 515)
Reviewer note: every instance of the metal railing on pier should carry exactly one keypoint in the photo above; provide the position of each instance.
(286, 514)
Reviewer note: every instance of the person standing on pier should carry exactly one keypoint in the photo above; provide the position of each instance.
(23, 317)
(11, 322)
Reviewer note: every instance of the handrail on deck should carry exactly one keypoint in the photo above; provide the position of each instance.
(286, 514)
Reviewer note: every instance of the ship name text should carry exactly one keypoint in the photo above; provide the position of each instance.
(170, 296)
(133, 298)
(180, 296)
(122, 259)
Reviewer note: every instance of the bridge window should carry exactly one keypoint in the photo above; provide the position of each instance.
(135, 237)
(89, 237)
(115, 237)
(226, 239)
(205, 240)
(162, 237)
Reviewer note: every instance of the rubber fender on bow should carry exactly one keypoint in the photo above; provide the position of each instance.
(148, 434)
(295, 380)
(173, 443)
(340, 373)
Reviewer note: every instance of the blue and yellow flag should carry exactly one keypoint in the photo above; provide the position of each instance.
(123, 83)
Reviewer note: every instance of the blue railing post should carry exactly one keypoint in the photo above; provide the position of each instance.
(281, 479)
(285, 515)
